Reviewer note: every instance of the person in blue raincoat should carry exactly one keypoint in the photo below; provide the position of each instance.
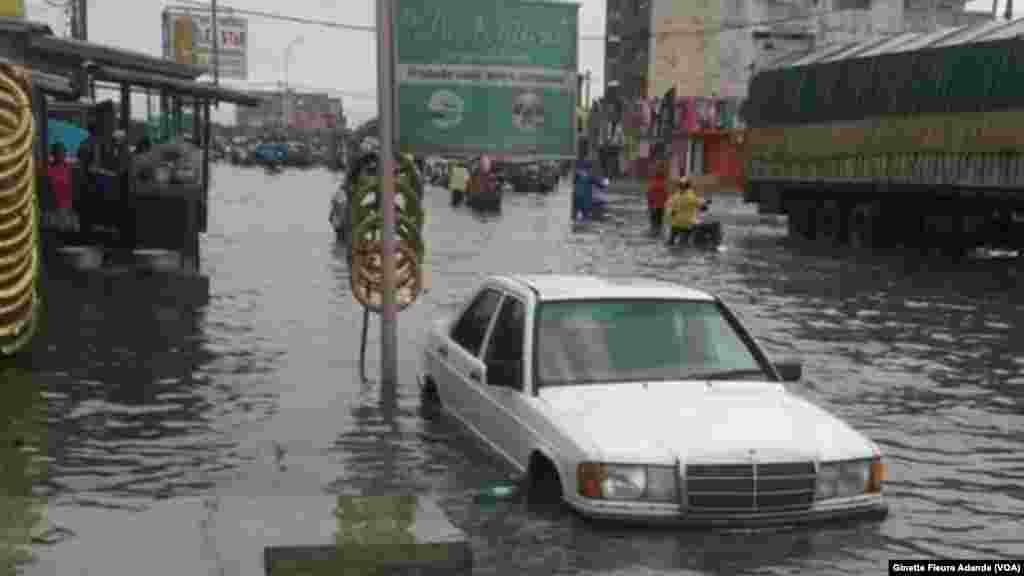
(583, 190)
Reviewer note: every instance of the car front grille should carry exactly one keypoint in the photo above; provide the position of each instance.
(750, 488)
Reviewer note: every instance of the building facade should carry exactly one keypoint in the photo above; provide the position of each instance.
(294, 112)
(701, 54)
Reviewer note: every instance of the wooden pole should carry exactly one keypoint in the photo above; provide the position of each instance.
(389, 312)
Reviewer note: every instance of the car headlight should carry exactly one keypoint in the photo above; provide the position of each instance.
(849, 478)
(627, 482)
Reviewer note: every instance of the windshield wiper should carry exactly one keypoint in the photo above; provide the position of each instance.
(729, 374)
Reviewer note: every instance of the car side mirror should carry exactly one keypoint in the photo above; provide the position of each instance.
(790, 370)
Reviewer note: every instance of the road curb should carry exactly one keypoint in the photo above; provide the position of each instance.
(313, 535)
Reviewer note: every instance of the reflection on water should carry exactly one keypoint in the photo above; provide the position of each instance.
(130, 413)
(22, 463)
(151, 394)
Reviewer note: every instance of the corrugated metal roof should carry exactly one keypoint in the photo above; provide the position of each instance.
(908, 42)
(786, 59)
(971, 33)
(855, 50)
(891, 44)
(814, 56)
(22, 26)
(926, 39)
(50, 46)
(196, 89)
(1014, 29)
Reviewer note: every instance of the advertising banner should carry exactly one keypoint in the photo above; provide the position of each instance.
(312, 120)
(486, 77)
(12, 8)
(188, 39)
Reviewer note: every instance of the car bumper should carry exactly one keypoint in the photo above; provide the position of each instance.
(863, 508)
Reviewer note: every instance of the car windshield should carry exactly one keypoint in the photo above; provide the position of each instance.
(598, 341)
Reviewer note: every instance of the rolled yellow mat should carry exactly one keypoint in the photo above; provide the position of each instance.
(19, 215)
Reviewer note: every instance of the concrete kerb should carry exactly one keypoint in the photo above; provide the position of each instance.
(337, 535)
(260, 535)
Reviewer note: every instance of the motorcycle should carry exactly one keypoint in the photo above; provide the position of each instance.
(548, 178)
(599, 203)
(706, 234)
(485, 197)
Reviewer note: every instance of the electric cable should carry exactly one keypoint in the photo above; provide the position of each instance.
(704, 31)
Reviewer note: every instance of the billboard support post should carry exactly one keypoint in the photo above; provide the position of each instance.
(385, 112)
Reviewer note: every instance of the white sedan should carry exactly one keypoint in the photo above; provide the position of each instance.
(644, 400)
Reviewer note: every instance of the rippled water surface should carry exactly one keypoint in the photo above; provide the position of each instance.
(154, 396)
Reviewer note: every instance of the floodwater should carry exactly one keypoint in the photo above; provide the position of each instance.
(255, 387)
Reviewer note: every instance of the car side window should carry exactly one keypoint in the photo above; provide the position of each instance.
(504, 356)
(471, 328)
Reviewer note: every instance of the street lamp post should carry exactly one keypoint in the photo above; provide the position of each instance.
(285, 96)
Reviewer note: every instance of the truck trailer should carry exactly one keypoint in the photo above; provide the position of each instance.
(909, 140)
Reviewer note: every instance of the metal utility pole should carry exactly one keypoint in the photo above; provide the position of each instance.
(389, 312)
(286, 100)
(586, 101)
(73, 18)
(216, 43)
(83, 19)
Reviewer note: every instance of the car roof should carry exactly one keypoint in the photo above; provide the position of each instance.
(549, 287)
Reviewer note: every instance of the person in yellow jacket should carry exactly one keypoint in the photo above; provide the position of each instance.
(683, 207)
(458, 180)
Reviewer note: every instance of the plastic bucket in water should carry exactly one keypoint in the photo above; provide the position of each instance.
(495, 492)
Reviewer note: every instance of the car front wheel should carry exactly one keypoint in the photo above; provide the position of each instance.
(544, 487)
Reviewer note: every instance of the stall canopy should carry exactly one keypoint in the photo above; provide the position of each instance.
(78, 52)
(197, 90)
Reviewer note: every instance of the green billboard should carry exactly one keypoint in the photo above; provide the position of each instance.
(486, 77)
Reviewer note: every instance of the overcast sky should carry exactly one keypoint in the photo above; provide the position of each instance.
(330, 59)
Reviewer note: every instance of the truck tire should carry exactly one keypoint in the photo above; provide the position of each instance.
(800, 222)
(947, 229)
(829, 223)
(862, 226)
(793, 222)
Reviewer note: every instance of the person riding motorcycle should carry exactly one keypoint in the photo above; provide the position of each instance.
(683, 208)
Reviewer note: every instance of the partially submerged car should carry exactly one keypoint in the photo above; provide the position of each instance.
(643, 400)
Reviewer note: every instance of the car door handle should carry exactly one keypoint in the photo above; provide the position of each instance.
(443, 352)
(475, 376)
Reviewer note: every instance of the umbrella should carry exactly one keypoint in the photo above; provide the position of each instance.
(66, 133)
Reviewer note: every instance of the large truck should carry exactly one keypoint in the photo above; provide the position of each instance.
(912, 140)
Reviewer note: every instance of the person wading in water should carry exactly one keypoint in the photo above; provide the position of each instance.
(458, 179)
(657, 196)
